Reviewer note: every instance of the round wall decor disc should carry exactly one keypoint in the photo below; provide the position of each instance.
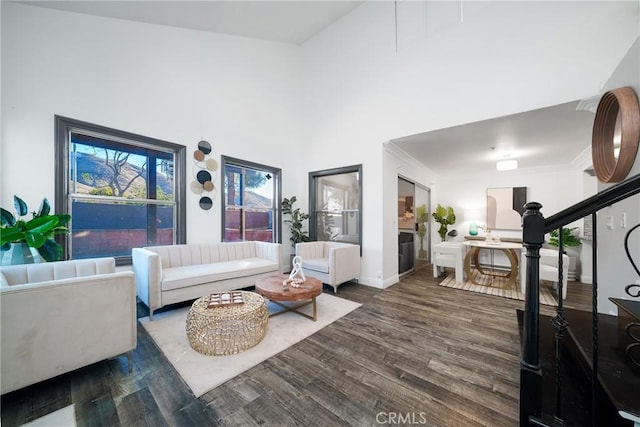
(206, 203)
(204, 146)
(208, 186)
(203, 176)
(198, 155)
(196, 187)
(212, 164)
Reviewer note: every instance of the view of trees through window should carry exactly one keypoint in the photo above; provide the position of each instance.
(121, 194)
(251, 201)
(133, 197)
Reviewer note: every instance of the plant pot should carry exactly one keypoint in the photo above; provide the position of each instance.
(20, 253)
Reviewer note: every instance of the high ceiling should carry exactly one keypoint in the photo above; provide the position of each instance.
(282, 21)
(551, 136)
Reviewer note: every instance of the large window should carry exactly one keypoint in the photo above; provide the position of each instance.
(336, 205)
(122, 190)
(251, 202)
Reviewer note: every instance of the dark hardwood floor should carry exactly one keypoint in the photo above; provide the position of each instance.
(415, 353)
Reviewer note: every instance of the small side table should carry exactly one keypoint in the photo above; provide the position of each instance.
(220, 331)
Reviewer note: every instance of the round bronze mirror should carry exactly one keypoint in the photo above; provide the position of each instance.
(617, 118)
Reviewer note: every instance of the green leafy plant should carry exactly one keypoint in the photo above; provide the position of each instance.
(422, 216)
(296, 222)
(568, 238)
(38, 232)
(445, 217)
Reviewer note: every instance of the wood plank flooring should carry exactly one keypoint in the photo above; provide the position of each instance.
(413, 353)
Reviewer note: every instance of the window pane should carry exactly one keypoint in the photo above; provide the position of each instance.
(164, 179)
(259, 225)
(232, 231)
(113, 229)
(106, 172)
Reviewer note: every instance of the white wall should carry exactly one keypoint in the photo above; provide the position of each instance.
(554, 189)
(168, 83)
(506, 57)
(614, 271)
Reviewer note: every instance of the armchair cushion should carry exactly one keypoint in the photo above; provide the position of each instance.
(317, 264)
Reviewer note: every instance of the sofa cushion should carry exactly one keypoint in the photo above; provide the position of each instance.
(317, 264)
(173, 256)
(179, 277)
(57, 270)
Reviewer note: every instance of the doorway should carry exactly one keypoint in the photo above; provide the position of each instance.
(413, 225)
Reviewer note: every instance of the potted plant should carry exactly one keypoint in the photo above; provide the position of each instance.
(19, 234)
(422, 216)
(445, 217)
(569, 240)
(295, 222)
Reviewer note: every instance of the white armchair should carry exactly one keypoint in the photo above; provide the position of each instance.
(449, 254)
(548, 269)
(331, 262)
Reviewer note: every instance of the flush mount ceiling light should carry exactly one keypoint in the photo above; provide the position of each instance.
(506, 165)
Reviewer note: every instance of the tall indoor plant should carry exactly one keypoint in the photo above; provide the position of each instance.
(445, 217)
(18, 234)
(422, 216)
(298, 234)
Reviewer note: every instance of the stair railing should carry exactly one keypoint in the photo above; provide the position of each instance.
(535, 226)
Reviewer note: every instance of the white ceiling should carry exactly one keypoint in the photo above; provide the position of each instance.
(553, 136)
(282, 21)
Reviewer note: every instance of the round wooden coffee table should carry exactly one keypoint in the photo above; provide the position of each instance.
(271, 288)
(222, 331)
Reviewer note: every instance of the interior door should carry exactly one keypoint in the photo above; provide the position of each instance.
(406, 226)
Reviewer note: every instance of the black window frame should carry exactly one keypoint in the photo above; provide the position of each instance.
(313, 217)
(277, 196)
(64, 126)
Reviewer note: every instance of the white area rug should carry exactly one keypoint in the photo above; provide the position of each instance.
(203, 373)
(496, 288)
(65, 417)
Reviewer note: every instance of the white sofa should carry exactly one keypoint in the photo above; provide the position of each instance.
(61, 316)
(175, 273)
(331, 262)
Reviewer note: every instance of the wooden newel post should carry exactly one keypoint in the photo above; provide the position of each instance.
(530, 373)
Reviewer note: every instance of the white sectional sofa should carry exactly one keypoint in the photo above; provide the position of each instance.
(61, 316)
(176, 273)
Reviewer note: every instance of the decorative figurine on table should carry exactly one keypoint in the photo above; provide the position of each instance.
(296, 277)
